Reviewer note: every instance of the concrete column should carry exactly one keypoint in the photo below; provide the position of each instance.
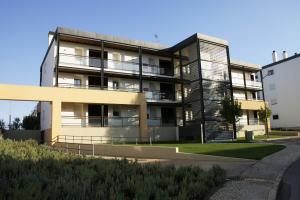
(55, 120)
(143, 121)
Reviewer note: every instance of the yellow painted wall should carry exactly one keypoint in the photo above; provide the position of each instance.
(251, 105)
(59, 95)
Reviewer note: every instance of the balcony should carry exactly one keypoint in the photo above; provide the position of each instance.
(239, 82)
(98, 121)
(75, 61)
(98, 87)
(155, 96)
(253, 84)
(132, 67)
(159, 122)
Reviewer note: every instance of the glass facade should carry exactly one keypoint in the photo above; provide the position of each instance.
(205, 79)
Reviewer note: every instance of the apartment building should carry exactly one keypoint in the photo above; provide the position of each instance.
(281, 89)
(182, 86)
(247, 89)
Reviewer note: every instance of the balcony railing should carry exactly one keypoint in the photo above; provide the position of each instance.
(98, 87)
(239, 82)
(79, 61)
(70, 60)
(244, 122)
(159, 96)
(159, 122)
(98, 121)
(253, 84)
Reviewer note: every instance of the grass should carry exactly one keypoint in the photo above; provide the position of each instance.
(31, 171)
(262, 137)
(237, 150)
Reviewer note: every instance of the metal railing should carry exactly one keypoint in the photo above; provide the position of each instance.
(159, 122)
(99, 121)
(244, 122)
(85, 145)
(98, 87)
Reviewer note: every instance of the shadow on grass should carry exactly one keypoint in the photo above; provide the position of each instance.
(255, 152)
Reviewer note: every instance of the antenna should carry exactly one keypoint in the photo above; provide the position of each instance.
(9, 120)
(156, 38)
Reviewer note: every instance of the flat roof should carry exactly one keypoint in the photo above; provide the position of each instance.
(245, 64)
(281, 61)
(117, 39)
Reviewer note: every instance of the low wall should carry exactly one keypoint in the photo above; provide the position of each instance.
(120, 150)
(164, 133)
(23, 135)
(257, 129)
(98, 134)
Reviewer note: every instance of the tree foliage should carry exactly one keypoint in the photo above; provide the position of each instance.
(31, 122)
(2, 125)
(16, 124)
(264, 113)
(231, 111)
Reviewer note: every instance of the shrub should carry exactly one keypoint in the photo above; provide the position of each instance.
(30, 171)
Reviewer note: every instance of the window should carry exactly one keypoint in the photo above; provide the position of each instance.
(273, 101)
(78, 51)
(116, 113)
(151, 62)
(115, 85)
(116, 56)
(77, 82)
(255, 114)
(275, 117)
(252, 77)
(270, 72)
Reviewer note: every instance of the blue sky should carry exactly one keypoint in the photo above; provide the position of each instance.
(253, 28)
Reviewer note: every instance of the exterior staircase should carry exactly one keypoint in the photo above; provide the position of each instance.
(224, 136)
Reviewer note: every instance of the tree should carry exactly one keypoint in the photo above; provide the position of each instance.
(264, 114)
(2, 125)
(31, 122)
(16, 124)
(230, 111)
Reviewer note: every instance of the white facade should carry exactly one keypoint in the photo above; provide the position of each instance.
(281, 89)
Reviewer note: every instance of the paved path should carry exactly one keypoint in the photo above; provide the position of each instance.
(261, 180)
(290, 183)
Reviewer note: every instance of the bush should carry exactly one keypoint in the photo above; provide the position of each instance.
(30, 171)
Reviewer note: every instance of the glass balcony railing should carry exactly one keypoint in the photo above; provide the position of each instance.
(98, 121)
(239, 82)
(253, 84)
(159, 96)
(160, 122)
(98, 87)
(132, 66)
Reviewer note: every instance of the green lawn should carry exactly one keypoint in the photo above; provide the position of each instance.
(238, 150)
(262, 137)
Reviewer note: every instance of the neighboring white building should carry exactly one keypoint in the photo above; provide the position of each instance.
(281, 83)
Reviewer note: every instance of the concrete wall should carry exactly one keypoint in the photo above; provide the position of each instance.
(57, 96)
(257, 129)
(283, 94)
(23, 135)
(164, 133)
(101, 135)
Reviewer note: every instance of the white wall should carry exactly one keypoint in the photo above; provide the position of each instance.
(282, 93)
(47, 79)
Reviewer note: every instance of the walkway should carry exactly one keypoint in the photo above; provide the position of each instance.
(261, 180)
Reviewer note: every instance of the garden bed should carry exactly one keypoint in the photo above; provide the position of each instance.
(30, 171)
